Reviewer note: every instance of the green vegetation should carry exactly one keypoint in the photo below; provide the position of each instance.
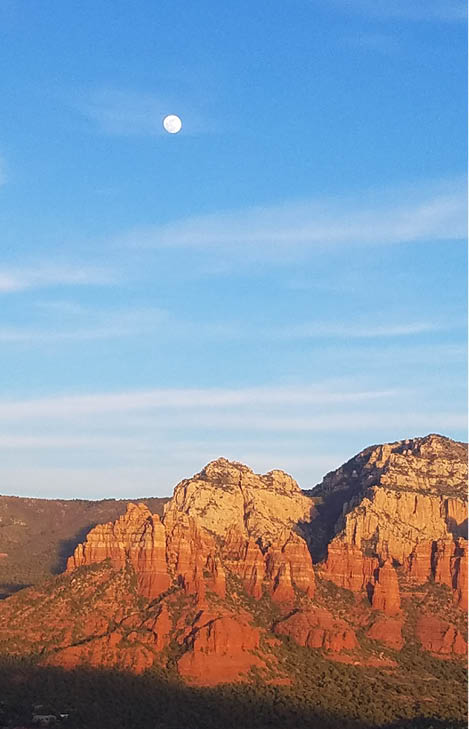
(324, 695)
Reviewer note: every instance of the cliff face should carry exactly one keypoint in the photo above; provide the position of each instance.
(37, 535)
(431, 465)
(234, 517)
(138, 538)
(404, 504)
(228, 495)
(212, 587)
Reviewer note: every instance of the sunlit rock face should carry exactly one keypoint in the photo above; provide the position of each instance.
(404, 503)
(227, 495)
(386, 596)
(139, 538)
(215, 585)
(226, 510)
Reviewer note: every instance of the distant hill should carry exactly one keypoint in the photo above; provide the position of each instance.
(37, 535)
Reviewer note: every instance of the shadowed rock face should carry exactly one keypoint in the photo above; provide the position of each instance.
(210, 586)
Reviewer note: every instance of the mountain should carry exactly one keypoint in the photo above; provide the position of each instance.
(37, 535)
(246, 578)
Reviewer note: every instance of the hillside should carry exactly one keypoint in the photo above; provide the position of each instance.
(346, 603)
(37, 535)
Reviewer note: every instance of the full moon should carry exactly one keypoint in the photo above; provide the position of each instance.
(172, 124)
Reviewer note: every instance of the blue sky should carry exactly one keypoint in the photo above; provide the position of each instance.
(282, 283)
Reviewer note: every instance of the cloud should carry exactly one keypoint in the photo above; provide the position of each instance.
(413, 10)
(353, 331)
(13, 280)
(78, 323)
(130, 113)
(61, 320)
(21, 442)
(409, 215)
(112, 444)
(134, 418)
(247, 422)
(68, 407)
(336, 423)
(333, 406)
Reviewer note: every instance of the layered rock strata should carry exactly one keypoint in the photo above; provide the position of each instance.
(402, 504)
(226, 574)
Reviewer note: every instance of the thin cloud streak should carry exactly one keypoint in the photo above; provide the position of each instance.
(87, 324)
(14, 280)
(121, 112)
(69, 321)
(289, 230)
(27, 442)
(308, 331)
(340, 422)
(181, 399)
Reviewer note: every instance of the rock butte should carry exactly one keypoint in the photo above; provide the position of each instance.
(188, 587)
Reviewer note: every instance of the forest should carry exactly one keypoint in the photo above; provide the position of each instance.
(324, 695)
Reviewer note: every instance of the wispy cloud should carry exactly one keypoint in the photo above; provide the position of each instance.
(136, 416)
(21, 442)
(337, 423)
(69, 322)
(315, 407)
(353, 331)
(130, 113)
(247, 423)
(183, 399)
(79, 323)
(289, 230)
(81, 443)
(44, 276)
(414, 10)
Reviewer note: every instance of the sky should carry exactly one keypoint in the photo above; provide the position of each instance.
(282, 283)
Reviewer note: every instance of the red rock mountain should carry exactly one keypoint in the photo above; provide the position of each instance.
(214, 585)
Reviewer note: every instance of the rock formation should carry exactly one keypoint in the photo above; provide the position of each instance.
(318, 629)
(227, 495)
(221, 647)
(386, 595)
(212, 587)
(137, 537)
(348, 567)
(439, 637)
(387, 631)
(403, 503)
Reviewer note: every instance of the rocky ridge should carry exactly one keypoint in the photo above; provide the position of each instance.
(402, 506)
(38, 535)
(211, 587)
(227, 495)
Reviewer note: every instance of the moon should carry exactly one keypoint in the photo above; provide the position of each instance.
(172, 124)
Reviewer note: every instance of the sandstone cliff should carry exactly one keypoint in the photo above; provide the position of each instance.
(210, 588)
(227, 495)
(404, 504)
